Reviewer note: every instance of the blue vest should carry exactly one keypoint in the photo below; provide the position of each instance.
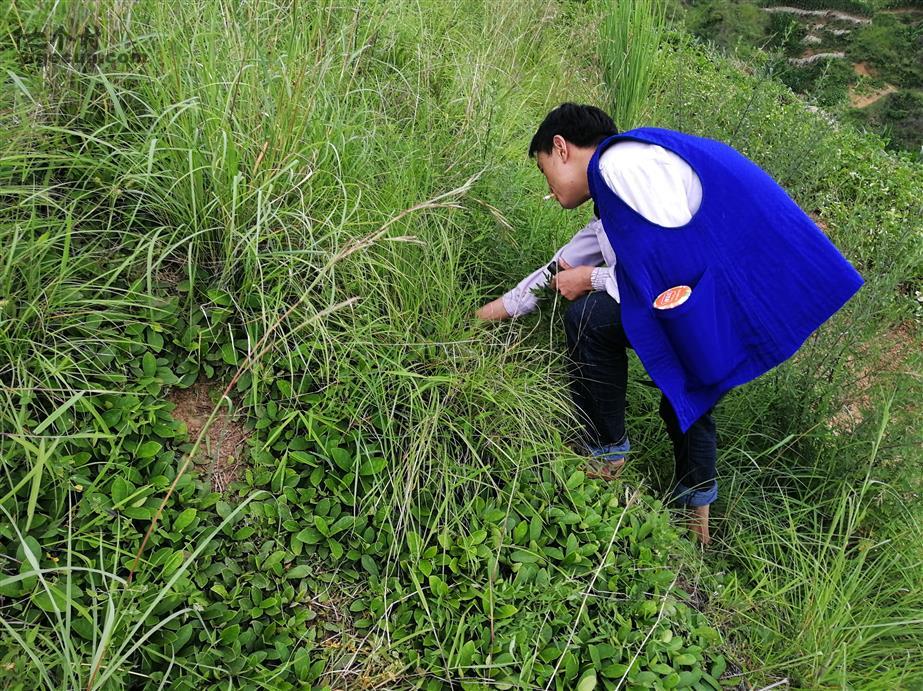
(763, 275)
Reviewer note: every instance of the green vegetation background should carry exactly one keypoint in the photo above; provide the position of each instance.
(304, 205)
(881, 47)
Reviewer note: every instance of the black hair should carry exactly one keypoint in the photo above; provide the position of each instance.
(580, 125)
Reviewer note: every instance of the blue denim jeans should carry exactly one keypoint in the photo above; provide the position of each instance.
(598, 361)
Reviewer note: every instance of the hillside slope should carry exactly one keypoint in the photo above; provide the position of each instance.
(252, 436)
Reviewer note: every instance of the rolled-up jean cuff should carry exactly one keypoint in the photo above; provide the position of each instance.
(695, 497)
(611, 452)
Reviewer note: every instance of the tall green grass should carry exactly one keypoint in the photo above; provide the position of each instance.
(630, 35)
(247, 168)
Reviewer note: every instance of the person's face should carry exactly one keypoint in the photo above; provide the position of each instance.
(565, 170)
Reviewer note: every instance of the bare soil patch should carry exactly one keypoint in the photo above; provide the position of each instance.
(886, 354)
(863, 69)
(865, 100)
(821, 223)
(220, 455)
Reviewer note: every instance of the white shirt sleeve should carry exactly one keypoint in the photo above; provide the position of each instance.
(582, 250)
(610, 284)
(656, 183)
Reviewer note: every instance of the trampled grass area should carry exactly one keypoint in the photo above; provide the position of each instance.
(300, 207)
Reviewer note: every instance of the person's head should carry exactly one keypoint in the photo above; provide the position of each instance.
(562, 148)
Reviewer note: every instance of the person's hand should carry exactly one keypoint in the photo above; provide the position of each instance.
(572, 282)
(493, 311)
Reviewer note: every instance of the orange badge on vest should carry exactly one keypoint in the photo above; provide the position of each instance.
(674, 297)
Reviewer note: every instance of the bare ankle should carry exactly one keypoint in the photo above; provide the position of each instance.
(698, 524)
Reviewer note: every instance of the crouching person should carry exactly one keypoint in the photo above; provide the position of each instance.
(696, 259)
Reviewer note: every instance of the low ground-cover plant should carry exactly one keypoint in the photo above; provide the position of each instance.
(827, 81)
(283, 582)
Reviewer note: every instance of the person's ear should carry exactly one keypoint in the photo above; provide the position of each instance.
(560, 147)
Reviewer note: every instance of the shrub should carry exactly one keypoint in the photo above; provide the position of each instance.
(728, 22)
(826, 81)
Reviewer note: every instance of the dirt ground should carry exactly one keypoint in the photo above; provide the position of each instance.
(887, 354)
(863, 69)
(865, 100)
(220, 454)
(857, 100)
